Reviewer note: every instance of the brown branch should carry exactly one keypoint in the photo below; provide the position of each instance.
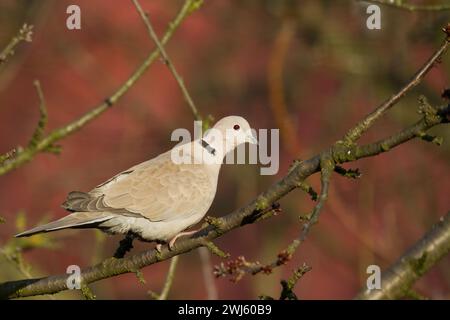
(239, 267)
(287, 292)
(169, 280)
(396, 282)
(287, 286)
(43, 117)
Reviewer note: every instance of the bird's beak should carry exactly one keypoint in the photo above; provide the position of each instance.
(251, 138)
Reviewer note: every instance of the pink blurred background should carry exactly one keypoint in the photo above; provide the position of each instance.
(334, 71)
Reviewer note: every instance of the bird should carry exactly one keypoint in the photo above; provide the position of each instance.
(157, 200)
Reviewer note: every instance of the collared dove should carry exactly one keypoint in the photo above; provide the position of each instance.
(159, 198)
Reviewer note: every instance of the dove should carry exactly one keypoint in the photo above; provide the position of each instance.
(158, 199)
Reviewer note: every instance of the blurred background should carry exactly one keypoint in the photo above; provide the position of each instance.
(310, 68)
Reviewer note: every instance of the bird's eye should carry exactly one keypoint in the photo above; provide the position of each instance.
(236, 127)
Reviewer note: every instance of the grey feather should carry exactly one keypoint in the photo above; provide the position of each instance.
(78, 201)
(74, 220)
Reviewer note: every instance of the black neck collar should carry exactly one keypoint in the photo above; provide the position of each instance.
(208, 147)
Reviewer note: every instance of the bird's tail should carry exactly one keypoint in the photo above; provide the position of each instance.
(73, 220)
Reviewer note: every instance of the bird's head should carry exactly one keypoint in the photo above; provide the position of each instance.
(231, 131)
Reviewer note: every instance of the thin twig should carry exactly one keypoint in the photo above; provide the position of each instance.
(169, 278)
(24, 34)
(16, 259)
(167, 61)
(239, 267)
(356, 132)
(43, 117)
(287, 292)
(308, 189)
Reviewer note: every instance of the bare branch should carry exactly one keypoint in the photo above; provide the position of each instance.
(239, 267)
(348, 173)
(416, 130)
(167, 61)
(43, 117)
(215, 249)
(24, 34)
(169, 278)
(309, 190)
(356, 132)
(8, 155)
(87, 293)
(396, 282)
(287, 292)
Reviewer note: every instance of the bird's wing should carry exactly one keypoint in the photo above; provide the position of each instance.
(157, 189)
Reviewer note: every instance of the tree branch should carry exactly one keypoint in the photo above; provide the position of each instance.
(239, 267)
(167, 61)
(340, 153)
(287, 292)
(325, 161)
(23, 156)
(168, 283)
(24, 34)
(396, 282)
(113, 267)
(169, 278)
(356, 132)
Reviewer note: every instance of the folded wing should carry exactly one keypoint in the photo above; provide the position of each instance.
(157, 190)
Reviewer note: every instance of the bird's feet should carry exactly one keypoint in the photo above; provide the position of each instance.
(185, 233)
